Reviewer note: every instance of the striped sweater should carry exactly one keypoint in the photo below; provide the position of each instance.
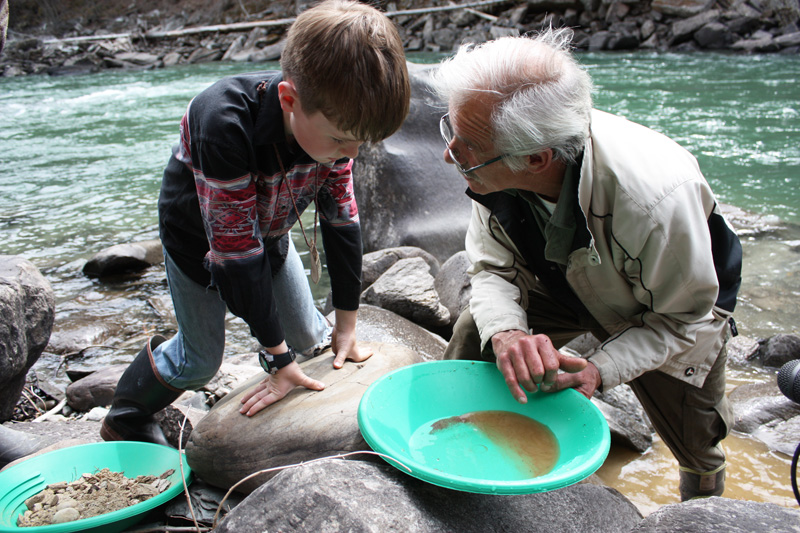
(225, 209)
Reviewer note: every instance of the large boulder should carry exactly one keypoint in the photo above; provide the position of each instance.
(27, 308)
(707, 515)
(336, 495)
(407, 195)
(380, 325)
(374, 264)
(453, 285)
(226, 446)
(756, 404)
(628, 423)
(407, 288)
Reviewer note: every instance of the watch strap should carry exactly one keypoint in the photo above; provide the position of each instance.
(271, 363)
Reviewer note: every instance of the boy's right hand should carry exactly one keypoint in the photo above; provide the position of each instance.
(275, 386)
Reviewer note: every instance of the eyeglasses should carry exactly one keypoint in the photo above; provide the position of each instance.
(448, 134)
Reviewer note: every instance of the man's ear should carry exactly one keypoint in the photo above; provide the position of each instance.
(287, 96)
(541, 161)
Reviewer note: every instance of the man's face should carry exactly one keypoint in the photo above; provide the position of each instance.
(472, 146)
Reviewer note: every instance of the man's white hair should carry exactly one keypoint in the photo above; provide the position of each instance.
(540, 97)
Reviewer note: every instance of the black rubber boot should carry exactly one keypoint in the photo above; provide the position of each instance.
(695, 484)
(140, 394)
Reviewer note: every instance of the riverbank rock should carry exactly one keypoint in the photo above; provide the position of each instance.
(431, 211)
(627, 421)
(407, 288)
(27, 308)
(374, 264)
(16, 444)
(453, 286)
(124, 258)
(71, 38)
(226, 446)
(377, 325)
(338, 495)
(777, 350)
(96, 389)
(707, 515)
(755, 404)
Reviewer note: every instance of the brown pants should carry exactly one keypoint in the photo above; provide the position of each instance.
(690, 420)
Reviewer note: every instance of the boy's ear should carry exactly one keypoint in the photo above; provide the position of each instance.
(287, 96)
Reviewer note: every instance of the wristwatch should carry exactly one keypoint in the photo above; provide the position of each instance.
(271, 363)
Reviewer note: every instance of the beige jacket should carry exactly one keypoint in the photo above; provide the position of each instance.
(648, 276)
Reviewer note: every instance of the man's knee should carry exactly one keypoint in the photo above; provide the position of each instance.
(466, 340)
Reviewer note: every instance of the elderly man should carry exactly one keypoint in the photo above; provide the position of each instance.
(585, 222)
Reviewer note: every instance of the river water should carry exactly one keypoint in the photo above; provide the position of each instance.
(81, 159)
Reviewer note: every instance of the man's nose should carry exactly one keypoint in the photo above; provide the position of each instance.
(448, 158)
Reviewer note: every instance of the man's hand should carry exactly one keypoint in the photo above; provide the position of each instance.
(343, 340)
(275, 386)
(530, 361)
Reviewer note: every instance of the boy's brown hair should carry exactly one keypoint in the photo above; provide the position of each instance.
(346, 60)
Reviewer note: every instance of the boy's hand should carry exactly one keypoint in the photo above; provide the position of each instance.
(345, 347)
(343, 340)
(275, 386)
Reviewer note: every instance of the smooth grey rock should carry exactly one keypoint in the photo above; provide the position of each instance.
(780, 435)
(374, 264)
(755, 404)
(226, 446)
(171, 59)
(383, 326)
(713, 36)
(683, 29)
(599, 40)
(16, 444)
(77, 338)
(764, 43)
(407, 288)
(407, 195)
(681, 8)
(204, 55)
(712, 515)
(335, 495)
(788, 39)
(453, 286)
(124, 258)
(137, 58)
(778, 350)
(27, 308)
(96, 389)
(626, 418)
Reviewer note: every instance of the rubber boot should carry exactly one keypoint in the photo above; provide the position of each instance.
(696, 484)
(140, 394)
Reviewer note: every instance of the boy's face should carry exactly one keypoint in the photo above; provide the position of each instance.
(315, 134)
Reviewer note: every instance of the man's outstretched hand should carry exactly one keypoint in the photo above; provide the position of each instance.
(531, 362)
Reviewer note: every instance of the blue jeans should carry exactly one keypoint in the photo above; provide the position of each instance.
(192, 357)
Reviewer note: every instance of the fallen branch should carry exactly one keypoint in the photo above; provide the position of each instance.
(52, 411)
(244, 26)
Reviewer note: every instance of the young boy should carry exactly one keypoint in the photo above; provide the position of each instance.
(255, 150)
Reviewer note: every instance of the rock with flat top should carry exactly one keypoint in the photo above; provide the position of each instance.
(226, 446)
